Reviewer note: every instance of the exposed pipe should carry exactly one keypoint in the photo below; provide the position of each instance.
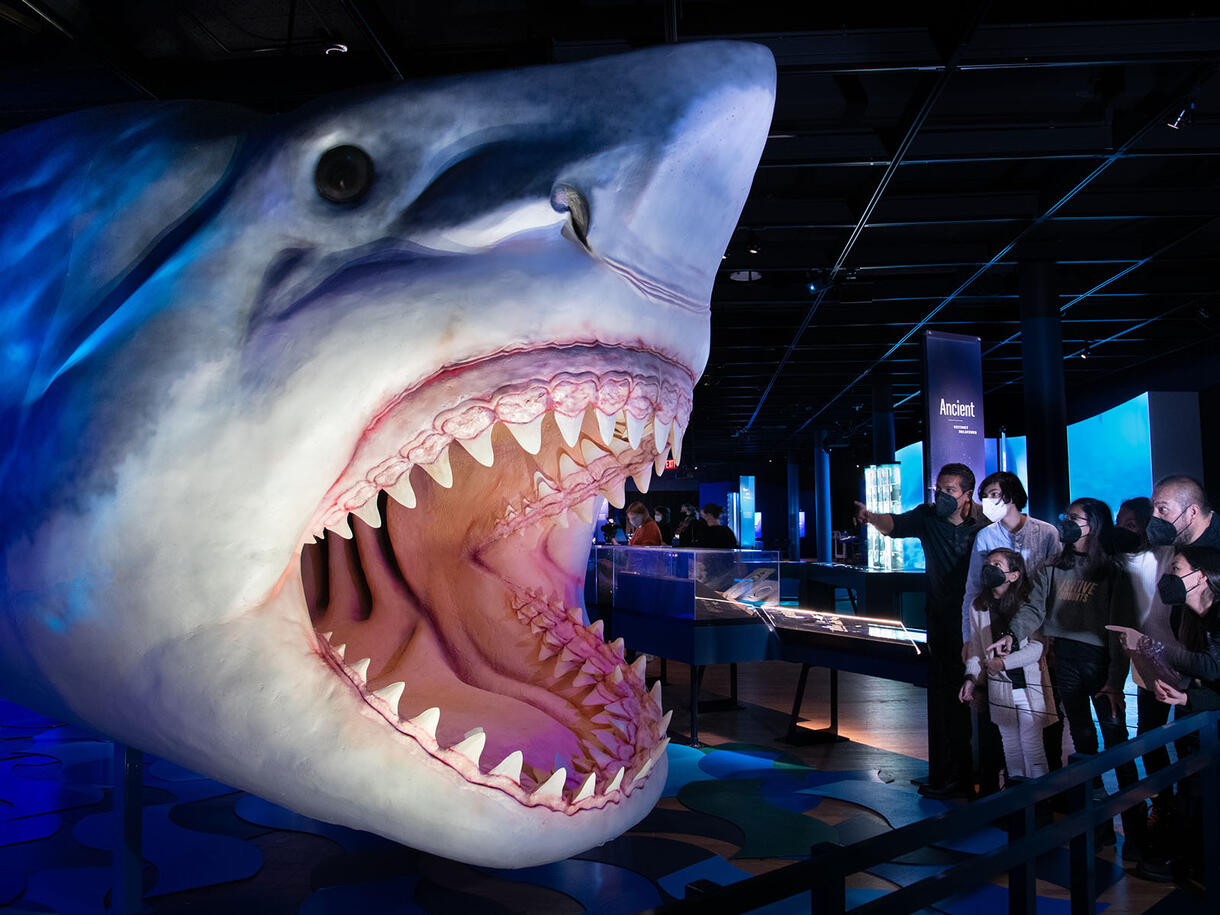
(1156, 121)
(896, 160)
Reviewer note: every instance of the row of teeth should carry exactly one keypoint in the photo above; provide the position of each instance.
(465, 755)
(394, 475)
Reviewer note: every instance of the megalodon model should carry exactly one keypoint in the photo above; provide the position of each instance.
(304, 420)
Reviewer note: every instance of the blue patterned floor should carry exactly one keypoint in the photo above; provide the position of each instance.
(211, 848)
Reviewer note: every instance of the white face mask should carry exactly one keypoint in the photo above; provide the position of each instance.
(994, 509)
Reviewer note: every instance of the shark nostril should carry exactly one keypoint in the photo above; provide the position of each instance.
(567, 199)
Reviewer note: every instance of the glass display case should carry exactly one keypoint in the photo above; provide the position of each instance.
(883, 495)
(889, 631)
(688, 584)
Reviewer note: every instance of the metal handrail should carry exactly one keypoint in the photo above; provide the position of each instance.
(828, 866)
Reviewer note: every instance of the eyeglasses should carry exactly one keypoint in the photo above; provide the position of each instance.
(1082, 520)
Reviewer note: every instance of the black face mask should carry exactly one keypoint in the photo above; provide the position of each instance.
(992, 576)
(1163, 533)
(1069, 531)
(1171, 589)
(945, 504)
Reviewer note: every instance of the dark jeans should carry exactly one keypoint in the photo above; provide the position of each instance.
(1153, 714)
(948, 719)
(1077, 674)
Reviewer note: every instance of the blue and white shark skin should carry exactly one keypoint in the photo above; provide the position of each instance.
(220, 340)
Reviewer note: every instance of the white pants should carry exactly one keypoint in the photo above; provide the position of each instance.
(1023, 751)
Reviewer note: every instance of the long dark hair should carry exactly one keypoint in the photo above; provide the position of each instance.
(1010, 601)
(1099, 560)
(1195, 629)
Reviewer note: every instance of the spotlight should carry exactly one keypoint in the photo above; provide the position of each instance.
(815, 281)
(752, 244)
(335, 49)
(745, 276)
(1185, 116)
(1084, 354)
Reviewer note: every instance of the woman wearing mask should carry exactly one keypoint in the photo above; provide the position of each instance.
(1074, 598)
(1191, 588)
(644, 531)
(660, 514)
(1018, 686)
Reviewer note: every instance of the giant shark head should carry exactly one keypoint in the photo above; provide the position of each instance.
(304, 420)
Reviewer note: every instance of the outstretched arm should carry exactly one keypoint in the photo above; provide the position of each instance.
(880, 520)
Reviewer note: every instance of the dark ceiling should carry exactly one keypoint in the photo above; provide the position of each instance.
(912, 164)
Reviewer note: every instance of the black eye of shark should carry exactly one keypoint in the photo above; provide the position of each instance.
(344, 174)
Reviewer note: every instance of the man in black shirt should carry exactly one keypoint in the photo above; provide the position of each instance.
(946, 530)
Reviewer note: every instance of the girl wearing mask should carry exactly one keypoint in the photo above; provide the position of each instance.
(1191, 588)
(1018, 686)
(644, 531)
(1074, 598)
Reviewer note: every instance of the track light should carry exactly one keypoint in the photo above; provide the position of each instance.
(752, 244)
(1185, 116)
(815, 281)
(1084, 353)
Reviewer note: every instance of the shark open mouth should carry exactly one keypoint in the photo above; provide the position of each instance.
(447, 585)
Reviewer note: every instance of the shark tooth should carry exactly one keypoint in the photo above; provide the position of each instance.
(601, 757)
(617, 708)
(563, 666)
(643, 477)
(659, 750)
(546, 651)
(618, 446)
(401, 492)
(327, 635)
(340, 651)
(583, 679)
(312, 540)
(480, 447)
(427, 721)
(510, 766)
(391, 694)
(620, 725)
(639, 665)
(561, 519)
(597, 628)
(608, 739)
(655, 694)
(368, 513)
(569, 426)
(341, 527)
(660, 432)
(568, 655)
(594, 697)
(616, 676)
(658, 463)
(586, 790)
(605, 425)
(677, 436)
(616, 782)
(618, 646)
(567, 466)
(663, 724)
(440, 470)
(528, 435)
(553, 786)
(615, 493)
(584, 510)
(643, 773)
(543, 487)
(591, 452)
(635, 429)
(361, 668)
(472, 746)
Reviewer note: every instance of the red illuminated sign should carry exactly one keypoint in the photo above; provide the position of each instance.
(671, 464)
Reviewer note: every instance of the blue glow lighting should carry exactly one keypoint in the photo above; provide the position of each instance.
(745, 489)
(757, 525)
(801, 521)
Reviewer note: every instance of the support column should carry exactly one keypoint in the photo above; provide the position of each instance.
(883, 417)
(127, 865)
(821, 496)
(794, 508)
(1045, 401)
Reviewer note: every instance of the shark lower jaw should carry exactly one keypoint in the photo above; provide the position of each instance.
(447, 594)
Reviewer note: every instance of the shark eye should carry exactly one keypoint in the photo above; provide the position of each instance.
(344, 174)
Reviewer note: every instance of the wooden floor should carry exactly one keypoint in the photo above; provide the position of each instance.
(885, 722)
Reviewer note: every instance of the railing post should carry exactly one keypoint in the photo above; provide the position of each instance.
(1022, 879)
(1083, 875)
(828, 892)
(1208, 778)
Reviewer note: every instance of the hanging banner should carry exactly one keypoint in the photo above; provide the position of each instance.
(953, 404)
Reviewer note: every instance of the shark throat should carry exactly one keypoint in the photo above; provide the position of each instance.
(446, 589)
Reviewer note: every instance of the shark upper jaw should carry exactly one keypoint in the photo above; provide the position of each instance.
(445, 594)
